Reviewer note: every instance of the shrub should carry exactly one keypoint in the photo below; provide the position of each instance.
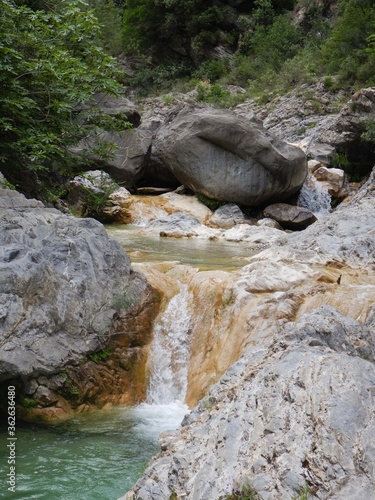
(50, 68)
(346, 50)
(243, 492)
(212, 70)
(217, 95)
(99, 356)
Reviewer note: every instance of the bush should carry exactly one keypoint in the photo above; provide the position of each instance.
(50, 68)
(217, 95)
(348, 48)
(212, 70)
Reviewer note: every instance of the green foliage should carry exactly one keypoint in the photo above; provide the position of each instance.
(158, 26)
(96, 200)
(74, 391)
(209, 202)
(50, 68)
(109, 15)
(340, 160)
(212, 70)
(4, 184)
(348, 50)
(99, 356)
(150, 78)
(330, 84)
(369, 133)
(217, 95)
(272, 45)
(304, 494)
(29, 404)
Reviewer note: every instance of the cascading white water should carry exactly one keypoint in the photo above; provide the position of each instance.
(169, 362)
(315, 197)
(169, 356)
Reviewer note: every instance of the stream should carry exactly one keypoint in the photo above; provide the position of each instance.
(101, 454)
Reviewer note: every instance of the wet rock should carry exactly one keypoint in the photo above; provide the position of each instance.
(293, 413)
(180, 224)
(254, 236)
(297, 408)
(290, 216)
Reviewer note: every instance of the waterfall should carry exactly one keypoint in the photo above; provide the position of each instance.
(314, 196)
(170, 348)
(169, 364)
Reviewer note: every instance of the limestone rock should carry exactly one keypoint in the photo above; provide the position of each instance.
(60, 278)
(284, 415)
(131, 155)
(117, 106)
(258, 237)
(227, 216)
(181, 224)
(346, 235)
(95, 194)
(333, 178)
(226, 157)
(290, 216)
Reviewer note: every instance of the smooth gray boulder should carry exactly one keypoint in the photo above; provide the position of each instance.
(228, 157)
(61, 282)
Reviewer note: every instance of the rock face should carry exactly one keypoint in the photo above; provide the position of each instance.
(62, 283)
(296, 410)
(230, 158)
(131, 155)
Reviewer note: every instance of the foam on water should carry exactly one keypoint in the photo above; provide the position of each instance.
(315, 197)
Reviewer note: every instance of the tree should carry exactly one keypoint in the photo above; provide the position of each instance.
(50, 69)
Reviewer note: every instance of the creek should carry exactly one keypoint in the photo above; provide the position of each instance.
(100, 455)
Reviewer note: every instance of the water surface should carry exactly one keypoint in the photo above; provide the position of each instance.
(94, 456)
(198, 252)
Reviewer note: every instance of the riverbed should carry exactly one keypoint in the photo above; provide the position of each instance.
(101, 454)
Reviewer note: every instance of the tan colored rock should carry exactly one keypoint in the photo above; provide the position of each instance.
(313, 165)
(333, 178)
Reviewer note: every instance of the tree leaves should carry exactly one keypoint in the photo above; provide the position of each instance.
(50, 67)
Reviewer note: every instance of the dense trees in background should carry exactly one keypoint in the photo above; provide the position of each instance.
(56, 54)
(50, 69)
(263, 43)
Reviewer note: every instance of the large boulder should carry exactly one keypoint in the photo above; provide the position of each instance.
(228, 157)
(62, 280)
(131, 153)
